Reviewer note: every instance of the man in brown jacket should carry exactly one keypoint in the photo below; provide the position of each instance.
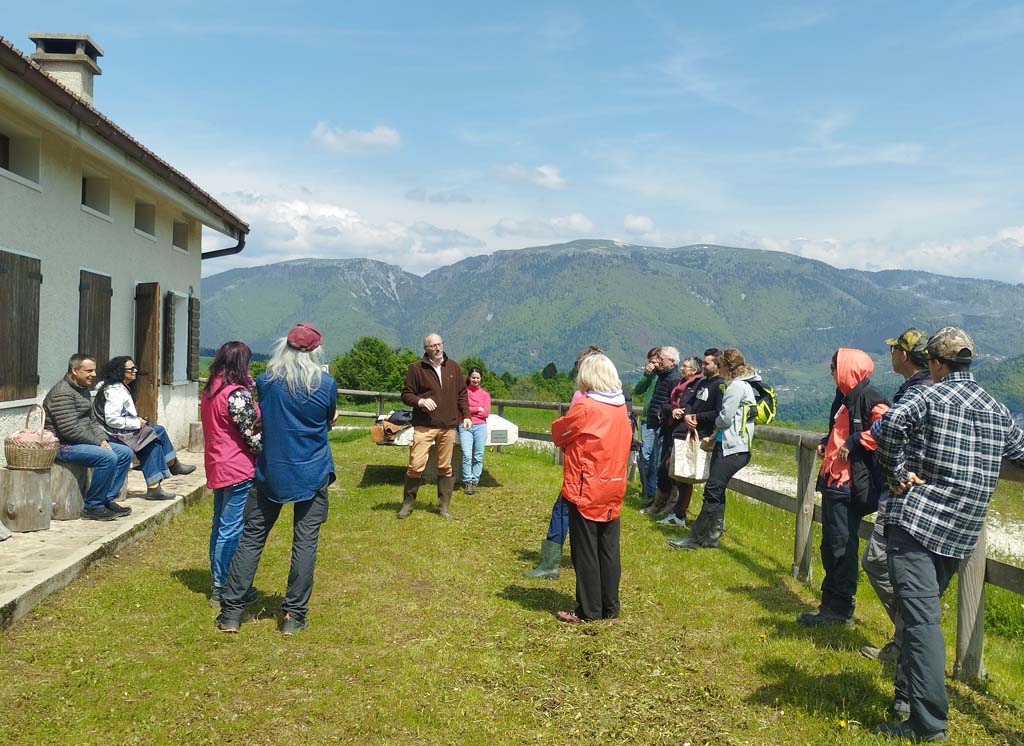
(436, 390)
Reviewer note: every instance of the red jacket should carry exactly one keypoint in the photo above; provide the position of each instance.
(596, 439)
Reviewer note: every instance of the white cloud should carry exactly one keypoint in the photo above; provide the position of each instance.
(576, 225)
(546, 176)
(638, 224)
(355, 142)
(999, 255)
(295, 227)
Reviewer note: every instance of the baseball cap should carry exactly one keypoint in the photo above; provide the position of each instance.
(951, 344)
(304, 337)
(912, 340)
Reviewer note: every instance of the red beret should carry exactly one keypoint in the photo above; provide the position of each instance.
(305, 337)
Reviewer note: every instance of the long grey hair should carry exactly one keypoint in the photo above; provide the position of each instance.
(295, 367)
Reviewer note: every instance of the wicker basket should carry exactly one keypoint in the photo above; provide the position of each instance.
(28, 455)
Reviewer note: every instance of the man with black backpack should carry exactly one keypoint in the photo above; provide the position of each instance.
(850, 481)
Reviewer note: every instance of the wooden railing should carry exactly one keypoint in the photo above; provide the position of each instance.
(974, 572)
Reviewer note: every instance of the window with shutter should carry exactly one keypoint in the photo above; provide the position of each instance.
(193, 339)
(20, 278)
(94, 293)
(167, 369)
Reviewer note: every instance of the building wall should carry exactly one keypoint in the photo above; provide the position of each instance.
(48, 221)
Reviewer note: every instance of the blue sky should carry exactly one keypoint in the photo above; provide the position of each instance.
(870, 135)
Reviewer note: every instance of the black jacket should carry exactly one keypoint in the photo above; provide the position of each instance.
(667, 380)
(866, 482)
(705, 401)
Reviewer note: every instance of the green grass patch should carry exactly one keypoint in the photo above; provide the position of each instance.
(424, 631)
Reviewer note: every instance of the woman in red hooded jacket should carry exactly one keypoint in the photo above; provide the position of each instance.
(849, 482)
(595, 435)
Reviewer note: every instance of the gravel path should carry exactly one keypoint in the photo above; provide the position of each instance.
(1005, 537)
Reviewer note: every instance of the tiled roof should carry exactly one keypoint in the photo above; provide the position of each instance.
(22, 66)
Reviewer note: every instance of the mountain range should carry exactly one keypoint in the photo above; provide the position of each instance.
(520, 309)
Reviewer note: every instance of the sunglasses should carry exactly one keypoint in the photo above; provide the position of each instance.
(131, 370)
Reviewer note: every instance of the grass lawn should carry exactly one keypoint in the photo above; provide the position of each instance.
(424, 631)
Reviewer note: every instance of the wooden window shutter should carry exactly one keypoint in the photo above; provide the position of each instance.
(193, 339)
(168, 362)
(5, 152)
(94, 293)
(20, 278)
(147, 348)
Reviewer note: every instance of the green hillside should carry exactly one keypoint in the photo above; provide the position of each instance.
(521, 309)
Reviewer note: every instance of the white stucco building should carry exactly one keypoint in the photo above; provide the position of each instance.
(100, 241)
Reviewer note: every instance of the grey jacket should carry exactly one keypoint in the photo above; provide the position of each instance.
(737, 431)
(69, 414)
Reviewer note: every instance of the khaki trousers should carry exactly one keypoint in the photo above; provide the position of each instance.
(422, 440)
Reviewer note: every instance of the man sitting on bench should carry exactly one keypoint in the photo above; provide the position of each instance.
(69, 416)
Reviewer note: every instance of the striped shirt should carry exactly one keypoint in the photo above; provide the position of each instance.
(953, 435)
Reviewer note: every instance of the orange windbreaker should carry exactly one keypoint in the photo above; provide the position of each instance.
(596, 439)
(852, 367)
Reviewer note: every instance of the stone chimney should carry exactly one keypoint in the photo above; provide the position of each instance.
(70, 59)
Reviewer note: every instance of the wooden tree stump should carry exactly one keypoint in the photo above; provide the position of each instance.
(196, 440)
(26, 503)
(68, 485)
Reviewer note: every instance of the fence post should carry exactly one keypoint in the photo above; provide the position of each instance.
(805, 514)
(970, 615)
(380, 404)
(558, 451)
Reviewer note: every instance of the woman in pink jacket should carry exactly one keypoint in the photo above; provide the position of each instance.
(233, 434)
(473, 440)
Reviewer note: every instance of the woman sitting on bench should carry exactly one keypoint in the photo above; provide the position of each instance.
(115, 410)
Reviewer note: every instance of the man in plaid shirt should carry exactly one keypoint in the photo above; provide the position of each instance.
(941, 449)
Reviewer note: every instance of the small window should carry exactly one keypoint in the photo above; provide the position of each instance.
(145, 217)
(96, 193)
(19, 153)
(179, 235)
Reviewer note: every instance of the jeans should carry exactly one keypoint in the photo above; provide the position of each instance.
(261, 514)
(153, 459)
(558, 527)
(839, 551)
(594, 546)
(109, 469)
(648, 468)
(472, 443)
(228, 509)
(919, 578)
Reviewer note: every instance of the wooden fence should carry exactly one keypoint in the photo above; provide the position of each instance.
(974, 572)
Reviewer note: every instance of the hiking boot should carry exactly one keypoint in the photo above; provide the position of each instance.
(469, 488)
(657, 506)
(215, 593)
(412, 485)
(119, 511)
(444, 495)
(158, 493)
(906, 731)
(569, 617)
(824, 617)
(101, 513)
(550, 561)
(293, 625)
(888, 652)
(180, 469)
(231, 626)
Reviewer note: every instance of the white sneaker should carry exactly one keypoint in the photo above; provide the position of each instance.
(672, 520)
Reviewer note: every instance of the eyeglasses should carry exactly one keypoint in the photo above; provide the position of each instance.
(131, 370)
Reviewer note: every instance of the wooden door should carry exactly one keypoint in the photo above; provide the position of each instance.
(147, 348)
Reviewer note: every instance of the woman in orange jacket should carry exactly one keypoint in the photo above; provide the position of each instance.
(595, 435)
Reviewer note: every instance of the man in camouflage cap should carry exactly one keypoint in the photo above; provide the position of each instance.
(941, 449)
(909, 357)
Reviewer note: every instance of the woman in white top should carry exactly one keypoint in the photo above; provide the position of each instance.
(115, 410)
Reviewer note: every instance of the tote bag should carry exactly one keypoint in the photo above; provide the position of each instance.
(689, 463)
